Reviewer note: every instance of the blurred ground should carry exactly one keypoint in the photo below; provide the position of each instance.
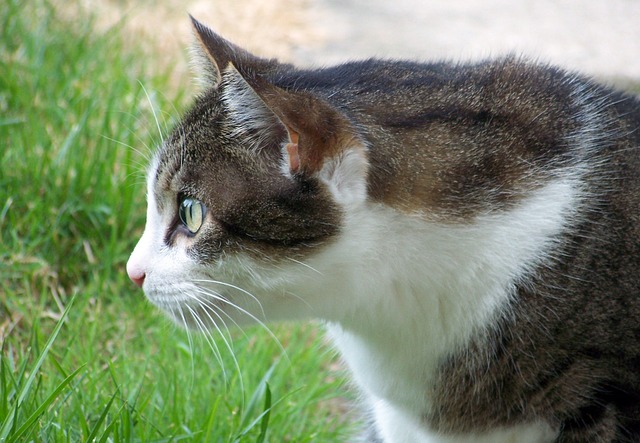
(598, 37)
(271, 28)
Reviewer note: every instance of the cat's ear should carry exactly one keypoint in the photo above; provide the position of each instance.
(212, 54)
(316, 138)
(317, 131)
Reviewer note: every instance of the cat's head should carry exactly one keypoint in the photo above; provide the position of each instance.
(252, 183)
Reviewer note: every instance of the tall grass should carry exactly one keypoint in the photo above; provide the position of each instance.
(76, 123)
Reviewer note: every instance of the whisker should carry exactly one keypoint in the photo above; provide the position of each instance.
(207, 292)
(190, 341)
(305, 265)
(218, 312)
(296, 296)
(229, 285)
(153, 110)
(210, 308)
(141, 153)
(136, 133)
(215, 308)
(210, 341)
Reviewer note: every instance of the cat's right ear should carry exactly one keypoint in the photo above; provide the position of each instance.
(211, 54)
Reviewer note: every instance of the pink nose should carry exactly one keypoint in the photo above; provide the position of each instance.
(136, 274)
(138, 279)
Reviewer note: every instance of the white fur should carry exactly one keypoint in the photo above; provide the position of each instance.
(251, 116)
(442, 284)
(346, 176)
(204, 69)
(143, 259)
(394, 426)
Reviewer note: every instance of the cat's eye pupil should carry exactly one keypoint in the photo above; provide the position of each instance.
(191, 213)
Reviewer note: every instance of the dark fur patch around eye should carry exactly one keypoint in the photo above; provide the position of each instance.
(298, 214)
(253, 205)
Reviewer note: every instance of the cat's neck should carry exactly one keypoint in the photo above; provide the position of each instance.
(396, 323)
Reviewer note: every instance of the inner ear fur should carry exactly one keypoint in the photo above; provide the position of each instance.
(316, 130)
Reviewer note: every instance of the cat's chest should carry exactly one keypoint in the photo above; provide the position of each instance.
(387, 369)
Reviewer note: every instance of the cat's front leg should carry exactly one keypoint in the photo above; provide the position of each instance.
(393, 425)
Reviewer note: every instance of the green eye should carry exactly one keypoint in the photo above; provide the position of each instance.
(191, 214)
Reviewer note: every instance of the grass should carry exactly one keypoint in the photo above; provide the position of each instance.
(83, 356)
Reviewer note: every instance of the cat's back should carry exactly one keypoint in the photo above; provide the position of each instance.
(466, 138)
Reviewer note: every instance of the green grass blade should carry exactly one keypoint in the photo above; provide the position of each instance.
(11, 121)
(45, 404)
(4, 389)
(103, 416)
(255, 397)
(210, 424)
(263, 418)
(107, 431)
(9, 421)
(264, 423)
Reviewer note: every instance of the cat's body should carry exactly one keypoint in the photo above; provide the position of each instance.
(470, 234)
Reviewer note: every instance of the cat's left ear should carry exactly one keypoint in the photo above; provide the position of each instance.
(212, 54)
(317, 139)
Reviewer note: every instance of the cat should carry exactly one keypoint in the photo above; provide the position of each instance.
(469, 232)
